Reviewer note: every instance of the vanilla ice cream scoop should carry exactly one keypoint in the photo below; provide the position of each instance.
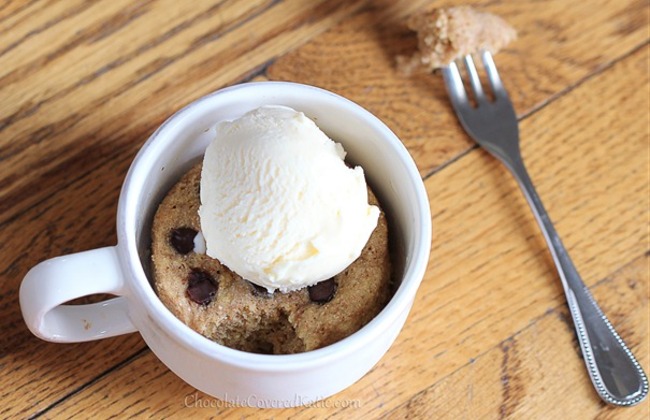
(279, 206)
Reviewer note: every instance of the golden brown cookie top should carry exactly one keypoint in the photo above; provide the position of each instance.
(218, 303)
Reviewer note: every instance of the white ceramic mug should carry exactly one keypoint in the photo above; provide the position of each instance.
(123, 270)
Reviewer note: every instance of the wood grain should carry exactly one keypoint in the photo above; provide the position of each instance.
(556, 49)
(79, 103)
(539, 360)
(36, 374)
(84, 83)
(496, 256)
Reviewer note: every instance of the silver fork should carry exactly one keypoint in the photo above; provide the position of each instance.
(492, 123)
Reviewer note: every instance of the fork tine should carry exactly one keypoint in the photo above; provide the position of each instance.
(454, 84)
(474, 80)
(492, 74)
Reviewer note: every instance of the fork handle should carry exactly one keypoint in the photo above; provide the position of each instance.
(614, 371)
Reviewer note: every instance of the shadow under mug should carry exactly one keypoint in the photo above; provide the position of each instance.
(123, 270)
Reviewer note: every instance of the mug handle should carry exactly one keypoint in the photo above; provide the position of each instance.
(51, 283)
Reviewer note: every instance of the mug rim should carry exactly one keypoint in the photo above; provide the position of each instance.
(137, 282)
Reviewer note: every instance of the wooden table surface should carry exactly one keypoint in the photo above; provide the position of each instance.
(83, 84)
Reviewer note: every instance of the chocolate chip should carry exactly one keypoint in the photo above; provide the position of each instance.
(323, 291)
(182, 239)
(265, 348)
(259, 290)
(201, 287)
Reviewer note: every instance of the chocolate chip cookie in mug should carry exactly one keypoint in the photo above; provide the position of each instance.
(125, 271)
(286, 201)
